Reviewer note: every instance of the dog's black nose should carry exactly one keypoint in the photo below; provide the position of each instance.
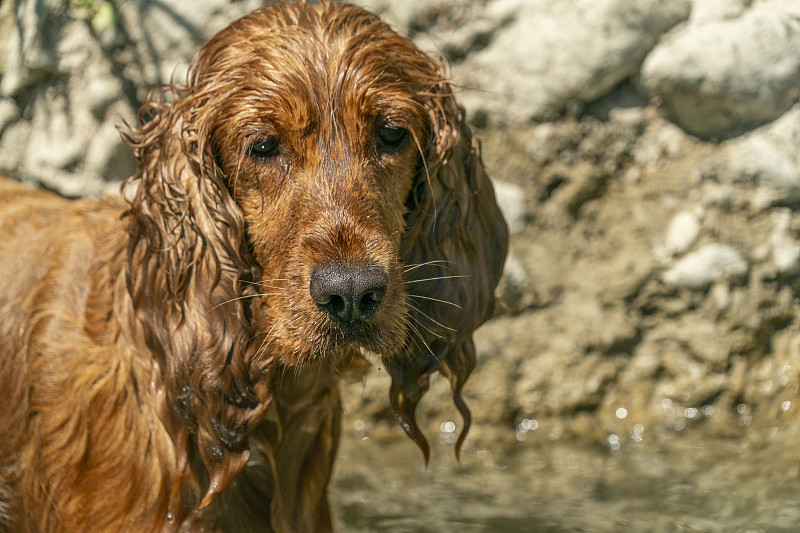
(349, 293)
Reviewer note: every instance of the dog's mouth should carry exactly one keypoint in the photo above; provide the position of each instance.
(337, 337)
(360, 336)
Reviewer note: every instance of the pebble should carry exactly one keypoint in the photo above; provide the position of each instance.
(511, 199)
(785, 254)
(682, 232)
(713, 262)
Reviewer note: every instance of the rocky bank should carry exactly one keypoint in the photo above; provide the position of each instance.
(645, 155)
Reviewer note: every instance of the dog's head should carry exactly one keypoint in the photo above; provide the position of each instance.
(315, 188)
(317, 120)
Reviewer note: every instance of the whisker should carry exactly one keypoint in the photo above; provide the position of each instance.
(269, 282)
(265, 343)
(244, 298)
(415, 319)
(409, 338)
(434, 299)
(422, 339)
(437, 262)
(423, 313)
(262, 350)
(434, 279)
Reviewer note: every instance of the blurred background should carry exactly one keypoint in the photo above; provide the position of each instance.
(642, 374)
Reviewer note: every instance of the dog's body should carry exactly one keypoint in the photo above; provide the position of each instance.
(170, 362)
(84, 448)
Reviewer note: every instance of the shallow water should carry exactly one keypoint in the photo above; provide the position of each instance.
(682, 483)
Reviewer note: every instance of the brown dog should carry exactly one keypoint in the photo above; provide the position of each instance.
(169, 362)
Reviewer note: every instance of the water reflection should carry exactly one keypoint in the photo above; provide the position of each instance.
(667, 482)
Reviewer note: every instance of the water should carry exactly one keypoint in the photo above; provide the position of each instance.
(747, 483)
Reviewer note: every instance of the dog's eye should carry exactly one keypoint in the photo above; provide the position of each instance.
(391, 138)
(265, 148)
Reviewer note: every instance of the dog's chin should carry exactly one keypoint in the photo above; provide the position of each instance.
(339, 345)
(332, 355)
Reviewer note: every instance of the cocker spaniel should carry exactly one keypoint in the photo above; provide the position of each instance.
(169, 361)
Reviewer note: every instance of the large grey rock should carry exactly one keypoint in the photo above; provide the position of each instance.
(552, 53)
(454, 27)
(719, 76)
(68, 75)
(708, 10)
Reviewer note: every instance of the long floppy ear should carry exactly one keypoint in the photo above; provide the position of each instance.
(454, 250)
(188, 265)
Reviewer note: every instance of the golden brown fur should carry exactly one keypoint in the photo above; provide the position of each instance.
(170, 362)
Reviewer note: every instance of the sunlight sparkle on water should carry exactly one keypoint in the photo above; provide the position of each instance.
(745, 416)
(527, 424)
(447, 432)
(638, 433)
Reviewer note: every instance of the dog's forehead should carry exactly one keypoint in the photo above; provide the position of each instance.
(316, 65)
(318, 44)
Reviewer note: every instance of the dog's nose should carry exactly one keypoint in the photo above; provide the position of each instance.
(349, 293)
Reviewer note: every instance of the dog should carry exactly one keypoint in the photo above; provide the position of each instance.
(169, 359)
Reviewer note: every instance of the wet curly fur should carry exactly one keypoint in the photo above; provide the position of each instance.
(169, 362)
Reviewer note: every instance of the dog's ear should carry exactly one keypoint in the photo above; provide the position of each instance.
(187, 269)
(454, 249)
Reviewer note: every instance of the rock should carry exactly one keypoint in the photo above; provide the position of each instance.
(661, 139)
(708, 10)
(61, 97)
(30, 48)
(713, 262)
(768, 159)
(164, 35)
(7, 28)
(58, 133)
(109, 155)
(785, 254)
(511, 199)
(454, 28)
(631, 116)
(717, 77)
(579, 184)
(682, 232)
(784, 248)
(515, 291)
(761, 161)
(534, 67)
